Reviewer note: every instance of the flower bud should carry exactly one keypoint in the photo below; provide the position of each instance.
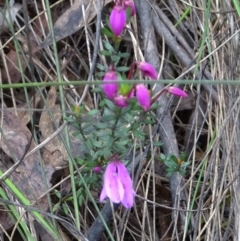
(143, 96)
(147, 70)
(117, 20)
(120, 101)
(177, 91)
(97, 169)
(110, 89)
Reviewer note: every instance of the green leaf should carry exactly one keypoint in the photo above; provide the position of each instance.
(171, 164)
(182, 172)
(119, 148)
(102, 67)
(157, 143)
(100, 125)
(183, 156)
(149, 121)
(108, 46)
(139, 133)
(185, 164)
(96, 90)
(93, 112)
(124, 89)
(107, 32)
(70, 119)
(125, 110)
(101, 134)
(110, 104)
(89, 144)
(124, 55)
(100, 74)
(107, 118)
(115, 59)
(79, 161)
(175, 159)
(168, 175)
(162, 156)
(122, 69)
(96, 143)
(107, 153)
(105, 53)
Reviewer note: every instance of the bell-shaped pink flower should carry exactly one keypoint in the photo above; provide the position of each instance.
(117, 20)
(177, 91)
(130, 3)
(143, 96)
(120, 101)
(147, 70)
(118, 186)
(110, 89)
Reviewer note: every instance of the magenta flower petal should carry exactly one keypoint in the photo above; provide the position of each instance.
(117, 20)
(103, 194)
(130, 3)
(128, 198)
(112, 186)
(120, 101)
(177, 91)
(118, 186)
(143, 96)
(130, 95)
(110, 89)
(147, 70)
(129, 193)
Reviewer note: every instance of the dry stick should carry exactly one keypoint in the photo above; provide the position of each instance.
(181, 52)
(166, 129)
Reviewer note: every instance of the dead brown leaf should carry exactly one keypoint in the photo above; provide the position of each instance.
(11, 68)
(11, 72)
(72, 20)
(15, 138)
(54, 153)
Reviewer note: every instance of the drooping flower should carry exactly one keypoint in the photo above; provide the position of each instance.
(147, 70)
(176, 91)
(110, 89)
(143, 96)
(120, 101)
(118, 186)
(130, 4)
(117, 20)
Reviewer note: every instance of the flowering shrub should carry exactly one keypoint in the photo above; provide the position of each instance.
(106, 133)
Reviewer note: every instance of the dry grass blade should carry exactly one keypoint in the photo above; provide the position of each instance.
(195, 41)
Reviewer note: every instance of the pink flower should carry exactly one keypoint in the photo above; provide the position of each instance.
(118, 186)
(147, 70)
(120, 101)
(176, 91)
(143, 96)
(97, 169)
(130, 4)
(117, 20)
(110, 89)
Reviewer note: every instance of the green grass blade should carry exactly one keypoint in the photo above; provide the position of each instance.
(27, 203)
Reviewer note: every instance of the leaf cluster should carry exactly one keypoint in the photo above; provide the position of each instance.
(174, 164)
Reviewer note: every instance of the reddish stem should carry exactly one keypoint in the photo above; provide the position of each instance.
(153, 100)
